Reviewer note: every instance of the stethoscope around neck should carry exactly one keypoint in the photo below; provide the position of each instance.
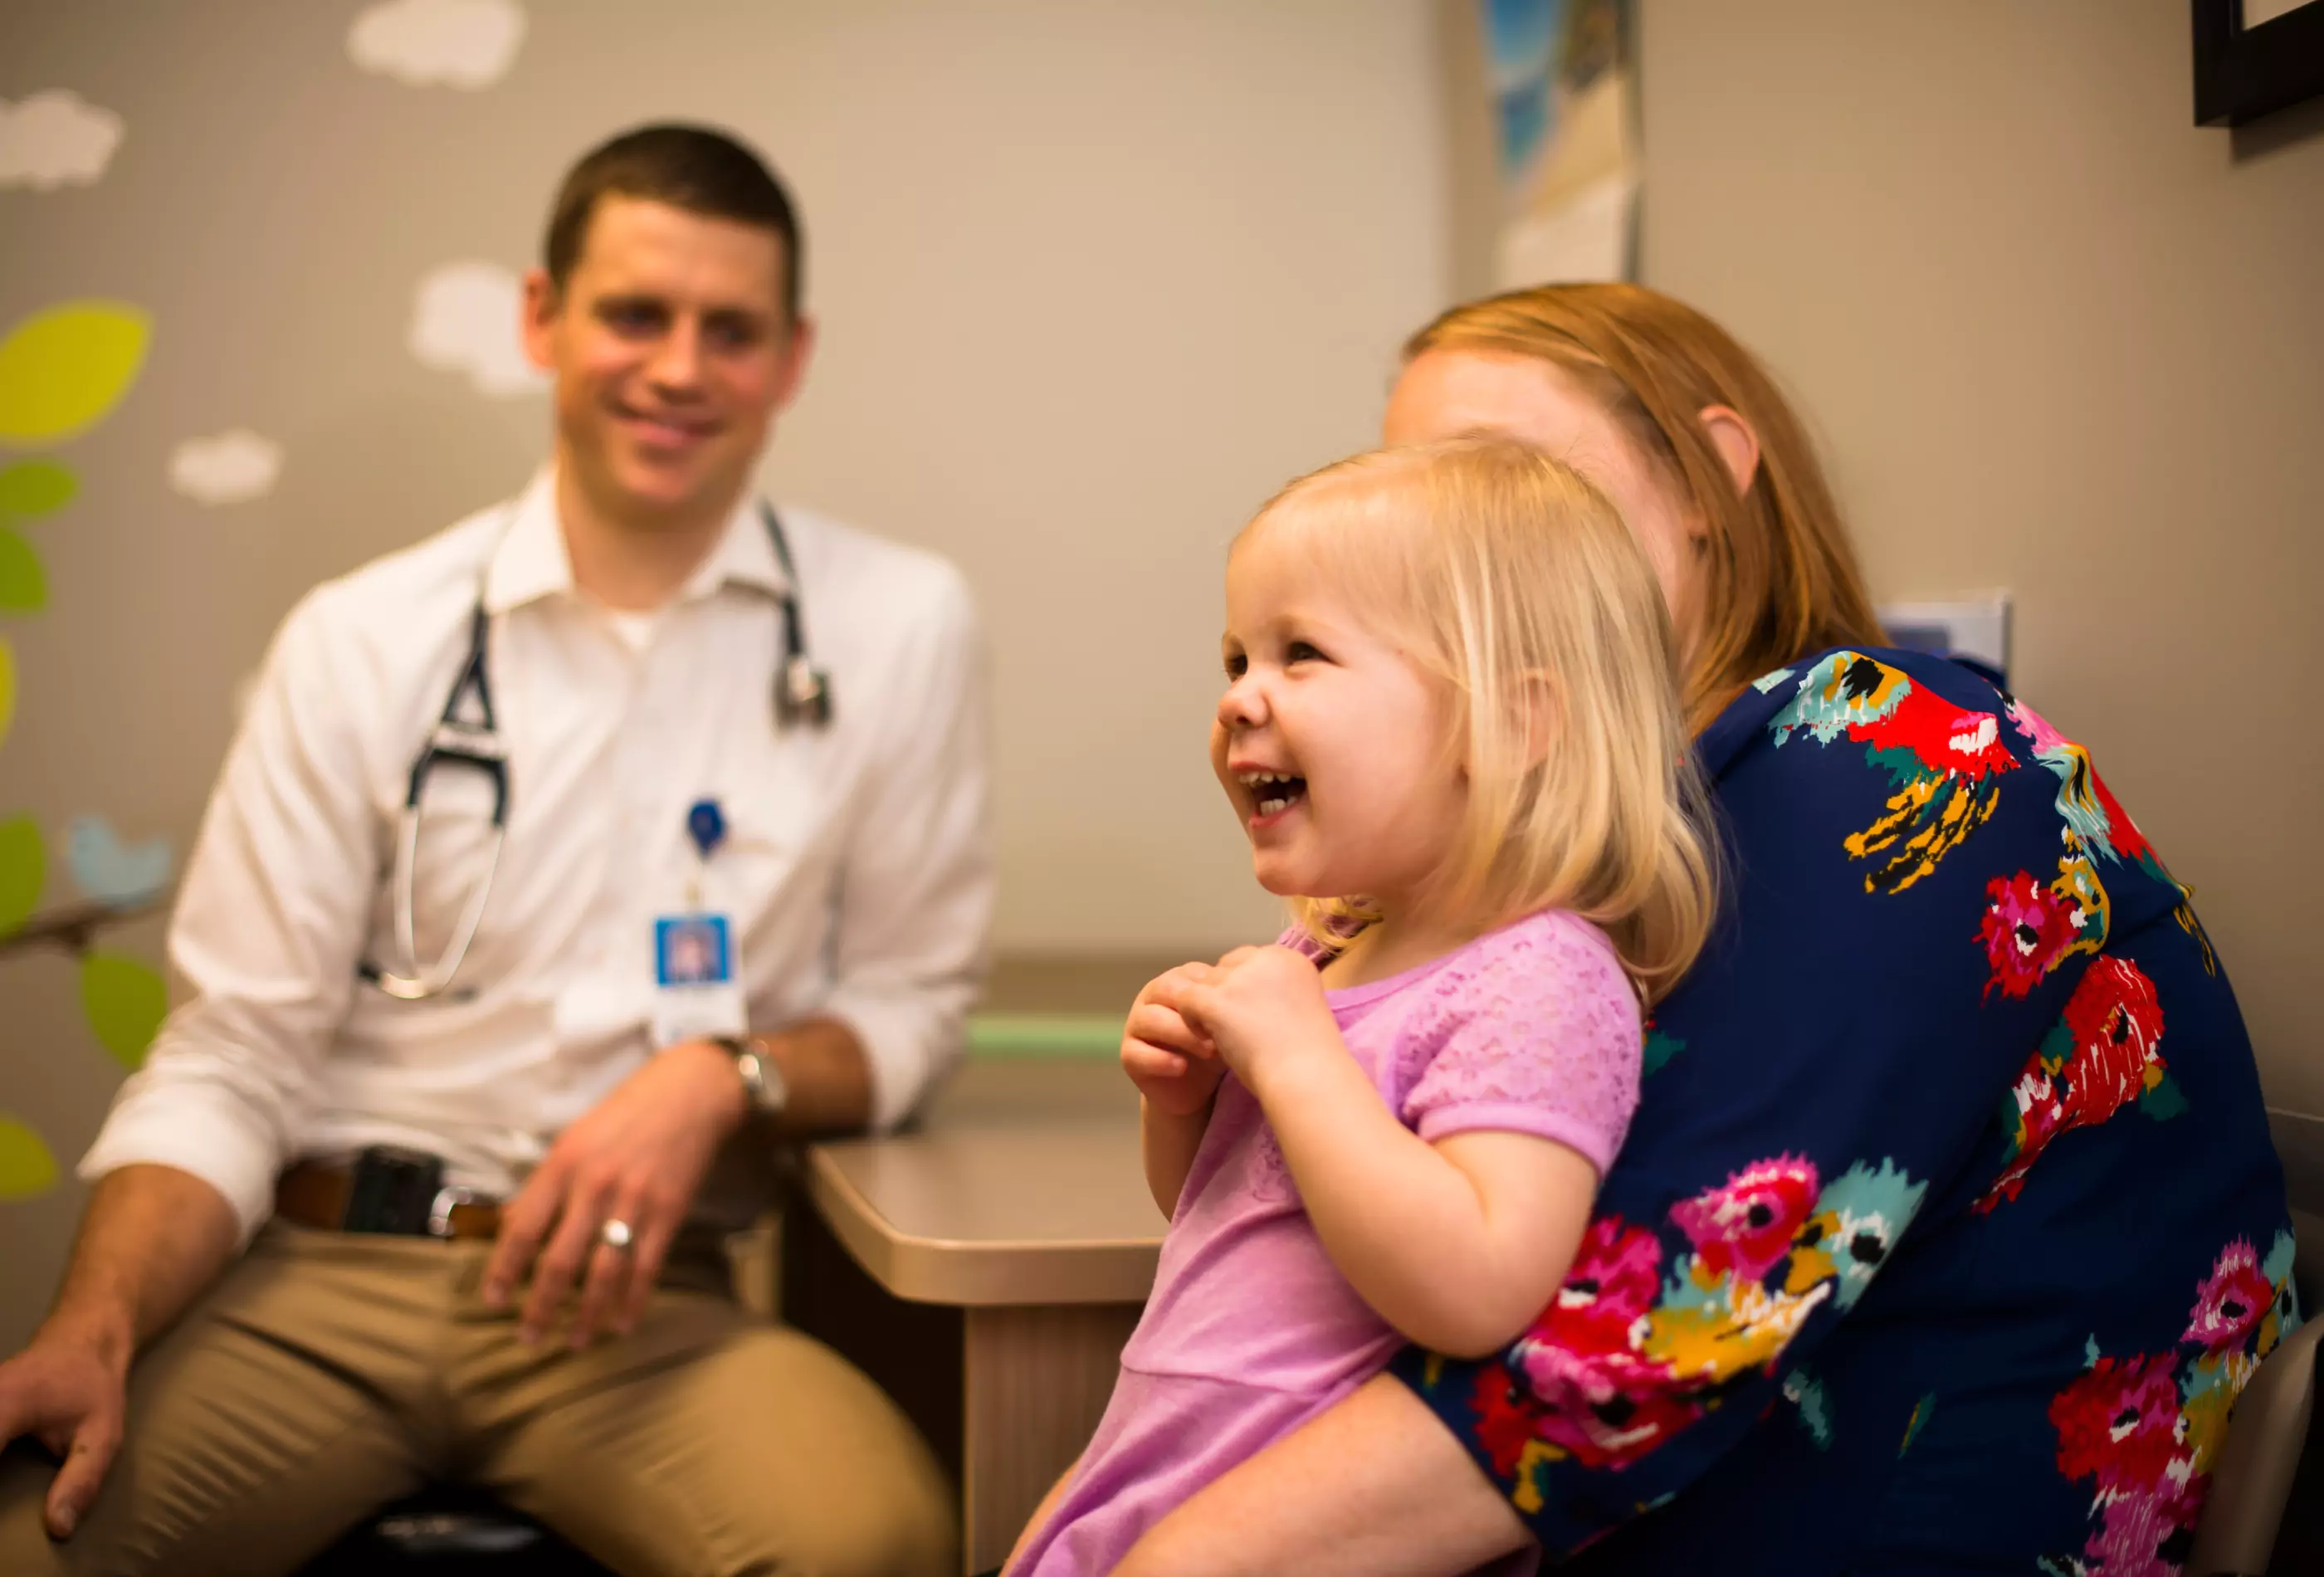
(468, 736)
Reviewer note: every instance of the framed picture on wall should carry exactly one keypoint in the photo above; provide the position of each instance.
(2255, 56)
(1564, 83)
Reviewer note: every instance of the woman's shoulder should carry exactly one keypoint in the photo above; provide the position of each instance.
(1946, 716)
(1947, 830)
(1925, 753)
(1934, 742)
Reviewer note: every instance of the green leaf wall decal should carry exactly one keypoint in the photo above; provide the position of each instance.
(23, 871)
(24, 588)
(125, 1001)
(26, 1167)
(35, 488)
(63, 368)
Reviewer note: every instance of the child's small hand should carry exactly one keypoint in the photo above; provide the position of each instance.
(1174, 1065)
(1260, 1006)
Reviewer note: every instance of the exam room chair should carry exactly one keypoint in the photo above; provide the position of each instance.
(450, 1530)
(2269, 1452)
(2265, 1514)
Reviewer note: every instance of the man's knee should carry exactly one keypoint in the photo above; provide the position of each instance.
(913, 1534)
(764, 1452)
(885, 1509)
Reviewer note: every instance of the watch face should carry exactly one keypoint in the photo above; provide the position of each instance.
(761, 1080)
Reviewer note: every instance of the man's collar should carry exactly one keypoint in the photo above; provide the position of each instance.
(744, 555)
(532, 560)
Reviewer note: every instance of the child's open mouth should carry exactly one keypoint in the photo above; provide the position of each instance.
(1273, 793)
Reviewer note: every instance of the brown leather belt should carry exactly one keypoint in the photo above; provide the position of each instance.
(312, 1194)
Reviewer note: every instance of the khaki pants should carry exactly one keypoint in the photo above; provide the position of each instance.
(329, 1373)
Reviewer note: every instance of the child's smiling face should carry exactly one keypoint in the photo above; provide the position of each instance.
(1330, 742)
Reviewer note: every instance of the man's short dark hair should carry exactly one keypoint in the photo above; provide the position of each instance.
(693, 168)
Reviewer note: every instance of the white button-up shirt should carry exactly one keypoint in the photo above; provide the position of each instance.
(856, 866)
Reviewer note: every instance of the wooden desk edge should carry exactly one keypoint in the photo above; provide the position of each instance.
(982, 1275)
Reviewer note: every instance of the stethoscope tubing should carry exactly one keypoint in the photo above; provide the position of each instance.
(802, 693)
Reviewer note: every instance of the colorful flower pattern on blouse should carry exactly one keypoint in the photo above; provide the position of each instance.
(1660, 1049)
(2104, 1054)
(1942, 762)
(1631, 1353)
(2096, 821)
(1979, 1022)
(2030, 925)
(2146, 1429)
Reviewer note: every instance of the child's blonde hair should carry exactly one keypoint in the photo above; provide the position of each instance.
(1509, 577)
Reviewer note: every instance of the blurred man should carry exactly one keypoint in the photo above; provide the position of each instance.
(419, 1183)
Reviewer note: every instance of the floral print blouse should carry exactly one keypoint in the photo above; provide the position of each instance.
(1948, 1226)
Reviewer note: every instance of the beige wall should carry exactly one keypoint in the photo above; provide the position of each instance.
(2058, 339)
(1093, 280)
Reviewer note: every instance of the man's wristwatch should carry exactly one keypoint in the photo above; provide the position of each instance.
(762, 1077)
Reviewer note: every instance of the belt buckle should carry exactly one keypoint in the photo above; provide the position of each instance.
(439, 1209)
(390, 1189)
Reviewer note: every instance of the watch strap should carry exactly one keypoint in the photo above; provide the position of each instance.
(762, 1077)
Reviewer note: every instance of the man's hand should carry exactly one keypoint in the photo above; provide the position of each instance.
(153, 1237)
(1262, 1007)
(68, 1391)
(637, 1156)
(1174, 1065)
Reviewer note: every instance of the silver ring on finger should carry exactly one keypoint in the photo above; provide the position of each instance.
(616, 1234)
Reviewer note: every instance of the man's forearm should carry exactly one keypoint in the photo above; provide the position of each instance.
(827, 1077)
(153, 1237)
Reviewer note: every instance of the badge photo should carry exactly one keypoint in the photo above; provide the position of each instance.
(692, 950)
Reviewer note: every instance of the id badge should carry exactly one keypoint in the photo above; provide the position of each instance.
(696, 993)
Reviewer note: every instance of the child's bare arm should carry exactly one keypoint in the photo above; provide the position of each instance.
(1169, 1142)
(1176, 1070)
(1457, 1244)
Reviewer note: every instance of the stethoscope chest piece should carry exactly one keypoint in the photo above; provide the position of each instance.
(802, 690)
(802, 693)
